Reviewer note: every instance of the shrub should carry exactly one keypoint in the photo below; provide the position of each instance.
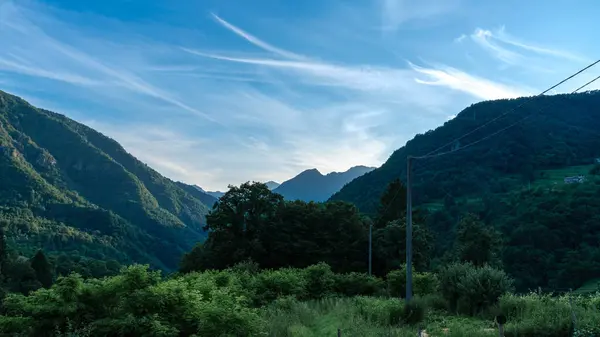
(319, 280)
(354, 284)
(271, 284)
(247, 266)
(385, 312)
(423, 283)
(414, 311)
(435, 301)
(471, 289)
(396, 281)
(135, 303)
(450, 278)
(482, 287)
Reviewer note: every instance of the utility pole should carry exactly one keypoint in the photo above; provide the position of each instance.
(408, 229)
(370, 245)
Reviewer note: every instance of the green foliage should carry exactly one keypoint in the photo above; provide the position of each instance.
(353, 284)
(392, 204)
(564, 135)
(251, 222)
(319, 280)
(136, 303)
(55, 196)
(414, 311)
(477, 243)
(389, 246)
(241, 301)
(383, 312)
(424, 283)
(42, 268)
(544, 315)
(271, 284)
(471, 289)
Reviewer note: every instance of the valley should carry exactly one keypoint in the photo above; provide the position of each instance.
(82, 216)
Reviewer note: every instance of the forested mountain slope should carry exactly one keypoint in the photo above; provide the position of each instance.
(69, 189)
(561, 130)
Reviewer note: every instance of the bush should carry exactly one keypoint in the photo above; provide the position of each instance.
(414, 311)
(469, 289)
(423, 283)
(354, 284)
(135, 303)
(482, 287)
(381, 311)
(271, 284)
(319, 280)
(450, 278)
(435, 302)
(396, 282)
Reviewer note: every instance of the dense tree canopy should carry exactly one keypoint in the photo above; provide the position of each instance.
(251, 222)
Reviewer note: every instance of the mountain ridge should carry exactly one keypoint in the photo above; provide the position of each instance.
(63, 174)
(312, 185)
(559, 131)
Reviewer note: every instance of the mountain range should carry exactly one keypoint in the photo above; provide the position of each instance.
(312, 185)
(67, 188)
(309, 185)
(79, 195)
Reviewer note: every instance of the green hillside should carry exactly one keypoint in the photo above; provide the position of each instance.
(513, 181)
(562, 131)
(71, 190)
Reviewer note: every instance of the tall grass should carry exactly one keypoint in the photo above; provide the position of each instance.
(528, 316)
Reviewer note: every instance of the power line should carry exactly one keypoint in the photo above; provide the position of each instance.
(503, 129)
(409, 160)
(515, 108)
(588, 83)
(431, 155)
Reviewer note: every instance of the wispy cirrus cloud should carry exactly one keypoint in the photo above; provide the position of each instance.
(512, 51)
(473, 85)
(201, 111)
(256, 41)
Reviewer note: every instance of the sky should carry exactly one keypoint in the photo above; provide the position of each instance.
(219, 92)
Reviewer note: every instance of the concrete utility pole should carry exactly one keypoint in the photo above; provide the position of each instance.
(408, 229)
(370, 245)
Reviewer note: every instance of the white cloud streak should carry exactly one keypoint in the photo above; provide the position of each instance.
(256, 41)
(244, 117)
(501, 46)
(473, 85)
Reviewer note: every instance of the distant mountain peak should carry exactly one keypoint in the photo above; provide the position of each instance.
(310, 172)
(312, 185)
(272, 184)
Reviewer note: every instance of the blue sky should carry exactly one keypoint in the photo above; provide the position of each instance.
(218, 92)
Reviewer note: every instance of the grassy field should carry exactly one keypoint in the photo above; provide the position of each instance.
(556, 177)
(529, 315)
